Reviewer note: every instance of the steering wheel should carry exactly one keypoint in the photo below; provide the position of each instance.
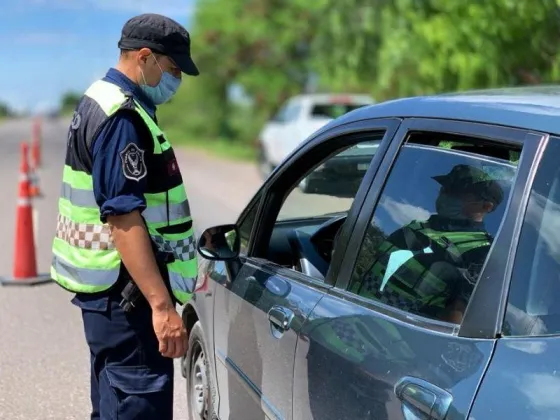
(312, 252)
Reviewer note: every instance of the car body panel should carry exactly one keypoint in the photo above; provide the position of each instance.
(535, 108)
(391, 346)
(353, 352)
(257, 359)
(522, 382)
(349, 359)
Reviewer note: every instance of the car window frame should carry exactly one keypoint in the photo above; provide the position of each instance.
(253, 205)
(479, 321)
(281, 182)
(513, 255)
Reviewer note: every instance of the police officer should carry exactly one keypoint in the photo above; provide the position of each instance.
(431, 267)
(124, 241)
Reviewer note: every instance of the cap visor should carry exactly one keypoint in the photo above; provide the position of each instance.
(185, 63)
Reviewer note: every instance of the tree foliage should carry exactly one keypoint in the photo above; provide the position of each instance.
(69, 101)
(272, 49)
(5, 110)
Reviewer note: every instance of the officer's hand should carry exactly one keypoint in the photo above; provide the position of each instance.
(170, 332)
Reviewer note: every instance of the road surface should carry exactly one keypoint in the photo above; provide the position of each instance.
(44, 361)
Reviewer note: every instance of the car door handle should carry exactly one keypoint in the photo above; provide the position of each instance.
(419, 396)
(280, 317)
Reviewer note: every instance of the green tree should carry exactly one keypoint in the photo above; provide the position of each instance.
(410, 47)
(5, 110)
(388, 48)
(69, 101)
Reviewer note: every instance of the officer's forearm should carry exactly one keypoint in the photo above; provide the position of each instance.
(133, 243)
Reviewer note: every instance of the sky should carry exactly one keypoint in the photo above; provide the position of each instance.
(51, 47)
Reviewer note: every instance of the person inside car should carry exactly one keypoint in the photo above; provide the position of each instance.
(430, 267)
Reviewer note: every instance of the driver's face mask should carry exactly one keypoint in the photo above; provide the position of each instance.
(450, 206)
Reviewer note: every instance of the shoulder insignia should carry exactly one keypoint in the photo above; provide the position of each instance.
(133, 164)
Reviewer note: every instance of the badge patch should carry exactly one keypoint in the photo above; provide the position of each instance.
(133, 164)
(172, 167)
(76, 121)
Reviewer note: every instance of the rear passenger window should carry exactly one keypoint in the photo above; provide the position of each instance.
(534, 298)
(435, 222)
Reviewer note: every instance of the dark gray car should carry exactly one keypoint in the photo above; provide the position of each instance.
(429, 290)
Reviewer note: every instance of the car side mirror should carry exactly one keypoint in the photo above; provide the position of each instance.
(220, 243)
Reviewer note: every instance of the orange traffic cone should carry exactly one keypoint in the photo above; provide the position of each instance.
(34, 189)
(25, 262)
(36, 143)
(36, 151)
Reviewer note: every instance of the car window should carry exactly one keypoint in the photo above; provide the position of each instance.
(533, 302)
(280, 116)
(331, 186)
(332, 110)
(292, 113)
(430, 234)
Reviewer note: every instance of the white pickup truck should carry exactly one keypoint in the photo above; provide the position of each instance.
(298, 118)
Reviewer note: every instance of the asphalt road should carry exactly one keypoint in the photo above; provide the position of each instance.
(44, 361)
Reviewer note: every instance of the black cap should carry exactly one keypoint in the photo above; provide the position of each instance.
(162, 35)
(467, 178)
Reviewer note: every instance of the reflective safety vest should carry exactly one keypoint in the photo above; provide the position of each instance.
(419, 280)
(85, 259)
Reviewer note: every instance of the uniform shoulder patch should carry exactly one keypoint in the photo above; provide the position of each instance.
(133, 164)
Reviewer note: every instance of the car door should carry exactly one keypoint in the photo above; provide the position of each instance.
(524, 368)
(259, 312)
(377, 346)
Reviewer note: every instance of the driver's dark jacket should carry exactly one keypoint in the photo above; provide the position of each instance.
(442, 266)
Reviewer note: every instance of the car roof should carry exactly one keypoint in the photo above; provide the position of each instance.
(532, 108)
(327, 97)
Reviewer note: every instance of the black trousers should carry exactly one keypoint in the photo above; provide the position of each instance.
(130, 379)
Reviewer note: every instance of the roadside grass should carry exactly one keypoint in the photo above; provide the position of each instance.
(219, 147)
(191, 121)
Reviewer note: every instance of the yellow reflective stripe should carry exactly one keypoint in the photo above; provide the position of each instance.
(157, 209)
(187, 236)
(107, 95)
(182, 297)
(78, 197)
(78, 214)
(182, 284)
(89, 270)
(77, 179)
(164, 213)
(176, 194)
(153, 226)
(99, 278)
(188, 268)
(154, 129)
(155, 199)
(71, 284)
(86, 258)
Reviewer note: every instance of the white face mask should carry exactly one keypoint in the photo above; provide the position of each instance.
(450, 207)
